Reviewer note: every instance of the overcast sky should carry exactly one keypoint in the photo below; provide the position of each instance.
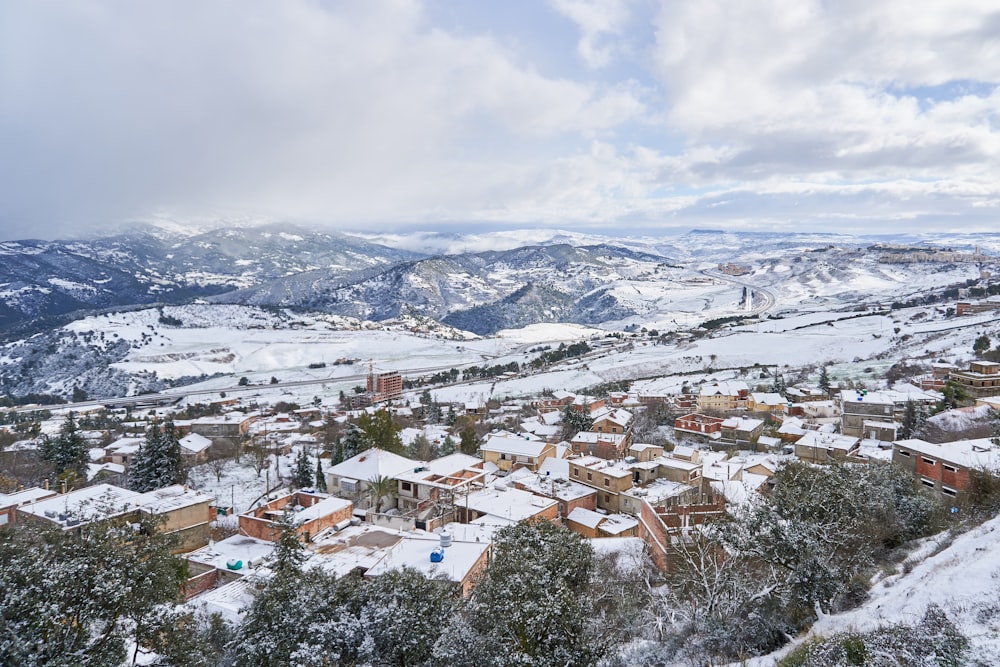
(631, 115)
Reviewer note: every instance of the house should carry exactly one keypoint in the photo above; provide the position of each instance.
(723, 396)
(229, 425)
(462, 562)
(700, 424)
(605, 445)
(766, 402)
(741, 431)
(553, 481)
(122, 451)
(430, 490)
(510, 453)
(194, 448)
(643, 452)
(309, 512)
(608, 420)
(501, 505)
(351, 478)
(945, 468)
(860, 406)
(181, 512)
(9, 502)
(592, 524)
(608, 478)
(823, 447)
(982, 378)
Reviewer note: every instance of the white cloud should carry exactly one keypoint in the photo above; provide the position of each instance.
(597, 20)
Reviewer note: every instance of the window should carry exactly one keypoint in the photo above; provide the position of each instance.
(405, 486)
(903, 453)
(503, 457)
(590, 476)
(576, 472)
(928, 461)
(607, 499)
(607, 482)
(926, 482)
(694, 474)
(948, 492)
(949, 468)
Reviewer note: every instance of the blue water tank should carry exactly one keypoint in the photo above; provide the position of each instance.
(437, 555)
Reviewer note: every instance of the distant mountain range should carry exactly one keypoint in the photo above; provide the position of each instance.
(543, 276)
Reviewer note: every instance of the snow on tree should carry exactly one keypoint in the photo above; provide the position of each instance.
(448, 446)
(320, 478)
(77, 598)
(534, 606)
(158, 462)
(68, 450)
(824, 380)
(380, 431)
(302, 471)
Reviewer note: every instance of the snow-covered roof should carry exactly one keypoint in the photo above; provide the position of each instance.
(616, 524)
(515, 446)
(323, 508)
(170, 498)
(125, 445)
(372, 463)
(452, 465)
(234, 548)
(592, 437)
(768, 398)
(551, 485)
(824, 440)
(511, 504)
(979, 453)
(90, 503)
(585, 517)
(26, 496)
(95, 469)
(724, 388)
(195, 443)
(742, 423)
(414, 551)
(613, 415)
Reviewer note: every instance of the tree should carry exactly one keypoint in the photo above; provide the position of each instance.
(379, 488)
(244, 381)
(77, 599)
(68, 450)
(380, 431)
(534, 607)
(448, 446)
(158, 461)
(824, 380)
(575, 421)
(914, 417)
(302, 472)
(468, 441)
(982, 345)
(421, 449)
(779, 386)
(320, 481)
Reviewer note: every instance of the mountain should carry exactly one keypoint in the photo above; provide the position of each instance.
(42, 280)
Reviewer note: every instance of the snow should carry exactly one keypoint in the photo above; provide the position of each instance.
(233, 548)
(372, 463)
(414, 551)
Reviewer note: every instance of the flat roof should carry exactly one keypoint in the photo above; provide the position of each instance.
(414, 552)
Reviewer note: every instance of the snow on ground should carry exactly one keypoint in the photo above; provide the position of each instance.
(963, 579)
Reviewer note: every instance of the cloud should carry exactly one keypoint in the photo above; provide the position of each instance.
(596, 20)
(388, 113)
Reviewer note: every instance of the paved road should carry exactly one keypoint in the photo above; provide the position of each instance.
(767, 298)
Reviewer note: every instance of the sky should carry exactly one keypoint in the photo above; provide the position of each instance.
(629, 116)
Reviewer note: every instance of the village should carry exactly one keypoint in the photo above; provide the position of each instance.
(632, 473)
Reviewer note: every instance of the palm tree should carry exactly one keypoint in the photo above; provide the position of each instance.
(381, 487)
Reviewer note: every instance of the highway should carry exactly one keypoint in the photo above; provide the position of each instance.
(767, 298)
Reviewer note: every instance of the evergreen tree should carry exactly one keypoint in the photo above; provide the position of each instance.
(778, 386)
(533, 608)
(67, 451)
(338, 452)
(914, 417)
(320, 476)
(824, 380)
(158, 462)
(575, 421)
(77, 599)
(448, 446)
(353, 443)
(982, 345)
(302, 473)
(468, 441)
(381, 431)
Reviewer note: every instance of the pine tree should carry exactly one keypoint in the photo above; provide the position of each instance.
(468, 441)
(68, 450)
(302, 473)
(448, 446)
(778, 387)
(158, 462)
(824, 380)
(320, 481)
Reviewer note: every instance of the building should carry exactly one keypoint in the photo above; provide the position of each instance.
(723, 396)
(982, 378)
(699, 424)
(510, 453)
(741, 431)
(945, 468)
(823, 447)
(429, 491)
(590, 524)
(860, 406)
(9, 502)
(384, 386)
(350, 479)
(766, 402)
(611, 446)
(310, 513)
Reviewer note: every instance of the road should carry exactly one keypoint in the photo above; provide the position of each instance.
(767, 298)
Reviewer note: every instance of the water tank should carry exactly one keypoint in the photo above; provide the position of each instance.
(445, 539)
(233, 564)
(437, 555)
